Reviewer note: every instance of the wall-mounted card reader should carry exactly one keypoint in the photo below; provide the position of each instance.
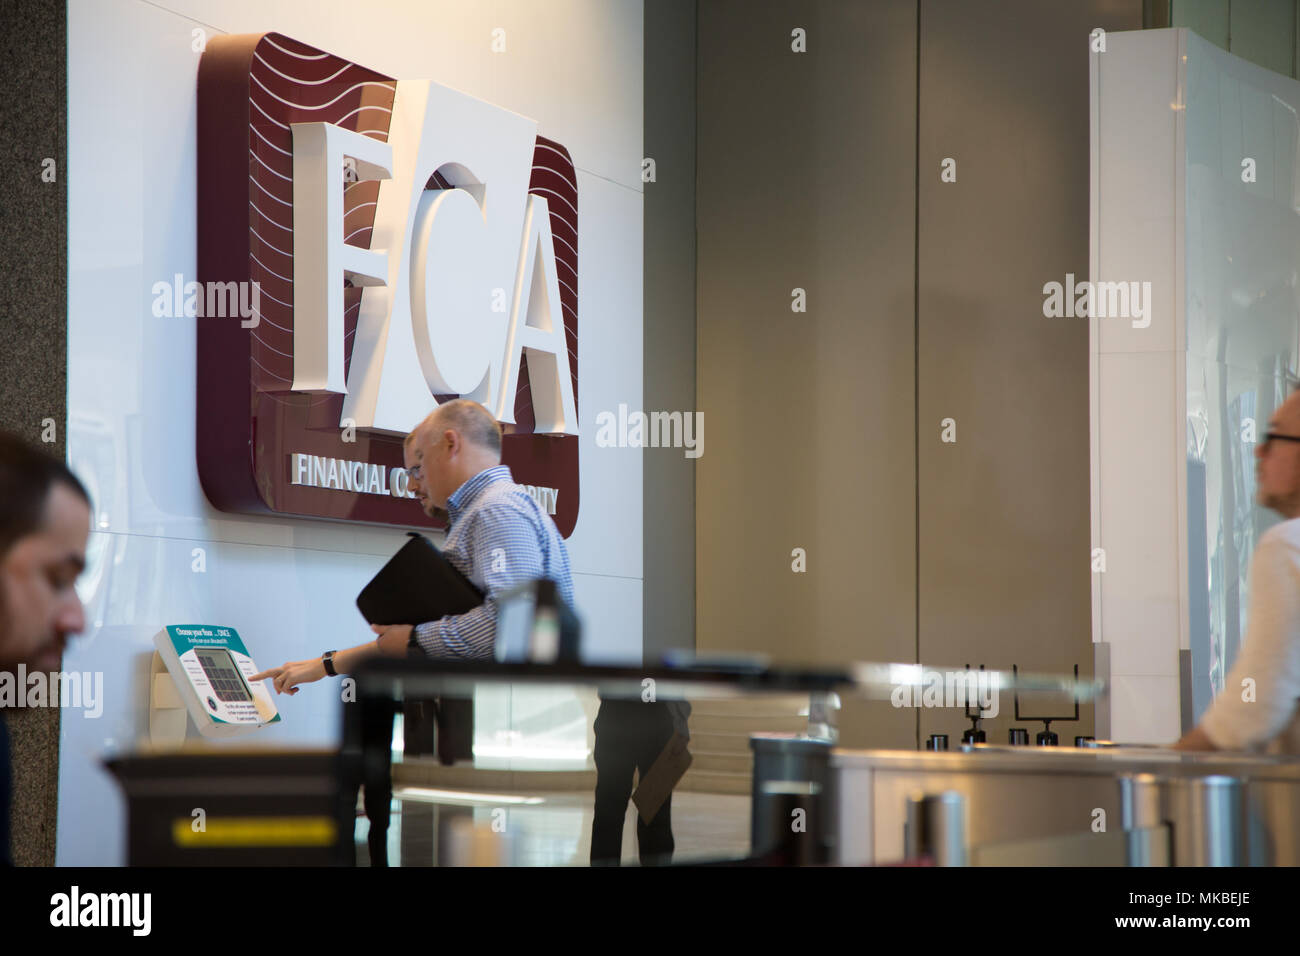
(203, 669)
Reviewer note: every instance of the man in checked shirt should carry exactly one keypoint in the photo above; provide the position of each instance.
(498, 536)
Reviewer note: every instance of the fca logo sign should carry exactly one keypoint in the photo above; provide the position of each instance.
(443, 264)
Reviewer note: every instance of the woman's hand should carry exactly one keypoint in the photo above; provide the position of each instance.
(287, 677)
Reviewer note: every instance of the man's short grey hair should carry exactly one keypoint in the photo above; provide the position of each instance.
(474, 422)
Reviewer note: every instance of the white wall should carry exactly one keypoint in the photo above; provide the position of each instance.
(1136, 460)
(288, 586)
(1173, 464)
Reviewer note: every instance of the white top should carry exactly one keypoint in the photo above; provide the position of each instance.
(1267, 718)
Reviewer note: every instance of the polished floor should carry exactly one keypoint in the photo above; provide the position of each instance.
(430, 827)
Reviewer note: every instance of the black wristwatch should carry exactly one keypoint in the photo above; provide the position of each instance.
(328, 660)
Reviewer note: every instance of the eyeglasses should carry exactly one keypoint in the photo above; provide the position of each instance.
(1275, 436)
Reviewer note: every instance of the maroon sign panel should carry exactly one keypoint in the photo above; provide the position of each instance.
(251, 89)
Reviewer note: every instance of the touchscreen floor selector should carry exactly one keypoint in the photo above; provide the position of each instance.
(223, 675)
(210, 667)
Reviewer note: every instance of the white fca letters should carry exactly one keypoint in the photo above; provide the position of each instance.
(438, 260)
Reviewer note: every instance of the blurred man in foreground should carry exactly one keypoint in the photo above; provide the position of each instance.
(44, 525)
(1257, 709)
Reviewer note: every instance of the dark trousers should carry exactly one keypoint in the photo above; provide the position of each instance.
(453, 718)
(630, 735)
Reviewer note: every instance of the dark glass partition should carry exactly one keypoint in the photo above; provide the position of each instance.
(570, 765)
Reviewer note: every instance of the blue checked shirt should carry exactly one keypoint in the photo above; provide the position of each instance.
(497, 536)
